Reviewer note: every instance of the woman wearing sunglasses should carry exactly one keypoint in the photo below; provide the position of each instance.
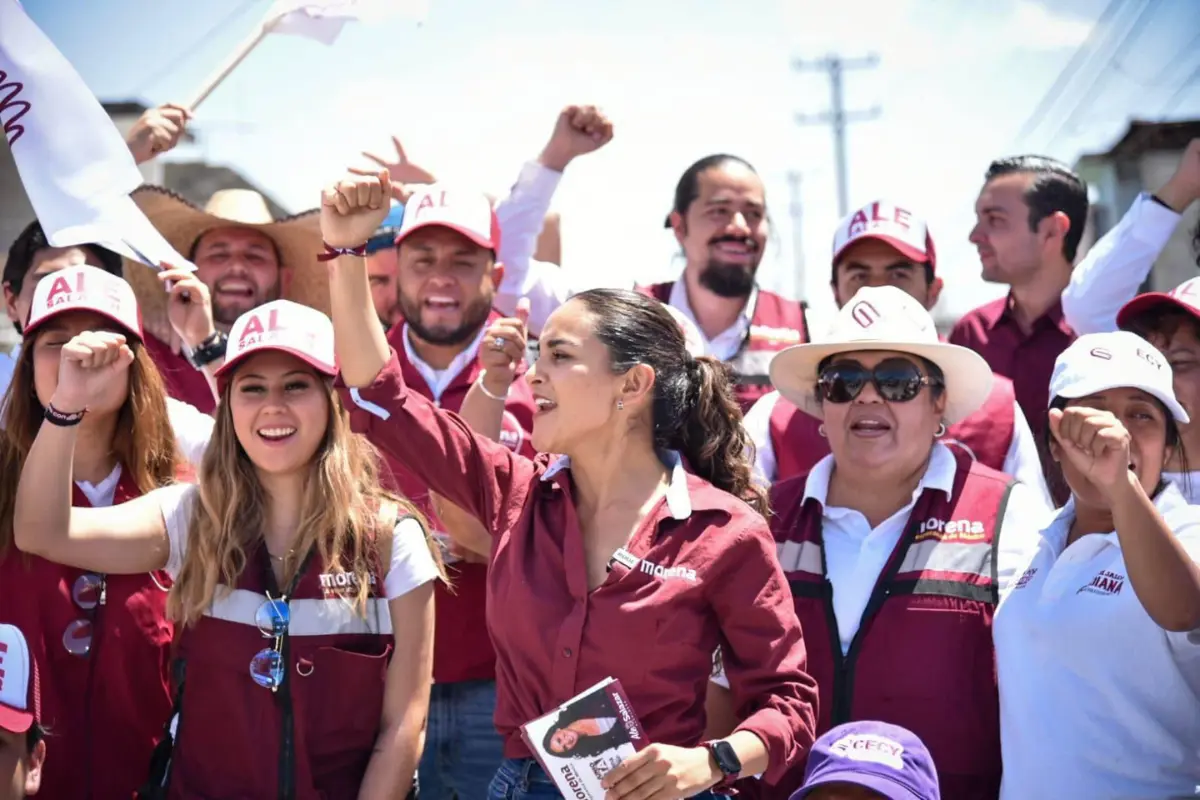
(102, 640)
(892, 543)
(303, 592)
(614, 559)
(1098, 641)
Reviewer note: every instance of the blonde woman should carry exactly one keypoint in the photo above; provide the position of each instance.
(306, 637)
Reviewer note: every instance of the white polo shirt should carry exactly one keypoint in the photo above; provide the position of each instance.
(1096, 701)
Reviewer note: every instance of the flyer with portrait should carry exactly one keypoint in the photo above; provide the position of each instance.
(581, 740)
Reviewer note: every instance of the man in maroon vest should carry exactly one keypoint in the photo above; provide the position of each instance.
(883, 244)
(719, 218)
(447, 275)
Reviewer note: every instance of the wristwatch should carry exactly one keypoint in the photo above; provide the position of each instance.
(727, 761)
(207, 351)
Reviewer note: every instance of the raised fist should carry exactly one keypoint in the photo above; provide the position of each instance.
(577, 131)
(503, 349)
(354, 207)
(89, 365)
(1094, 442)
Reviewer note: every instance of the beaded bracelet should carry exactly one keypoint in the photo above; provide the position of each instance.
(332, 252)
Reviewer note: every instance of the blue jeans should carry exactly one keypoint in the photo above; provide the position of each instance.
(462, 748)
(524, 779)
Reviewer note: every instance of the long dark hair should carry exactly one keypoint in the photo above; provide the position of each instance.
(694, 409)
(595, 707)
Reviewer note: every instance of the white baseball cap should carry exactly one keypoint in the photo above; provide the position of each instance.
(20, 692)
(284, 326)
(1097, 362)
(85, 288)
(1184, 297)
(469, 213)
(890, 223)
(884, 318)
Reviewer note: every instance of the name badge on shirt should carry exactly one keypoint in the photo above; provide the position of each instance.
(624, 558)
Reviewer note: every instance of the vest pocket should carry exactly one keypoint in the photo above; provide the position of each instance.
(343, 697)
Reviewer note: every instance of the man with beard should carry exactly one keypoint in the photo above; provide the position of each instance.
(719, 218)
(381, 268)
(447, 275)
(245, 258)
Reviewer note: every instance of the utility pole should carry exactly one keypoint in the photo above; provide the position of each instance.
(796, 210)
(837, 116)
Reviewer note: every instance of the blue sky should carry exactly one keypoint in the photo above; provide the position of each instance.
(474, 91)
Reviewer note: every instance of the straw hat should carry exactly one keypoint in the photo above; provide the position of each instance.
(884, 318)
(181, 223)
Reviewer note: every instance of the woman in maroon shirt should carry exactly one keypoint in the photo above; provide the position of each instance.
(612, 559)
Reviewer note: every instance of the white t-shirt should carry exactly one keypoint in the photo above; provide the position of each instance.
(411, 566)
(1188, 483)
(1096, 700)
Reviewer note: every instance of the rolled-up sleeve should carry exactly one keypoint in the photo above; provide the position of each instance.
(1113, 271)
(762, 649)
(481, 476)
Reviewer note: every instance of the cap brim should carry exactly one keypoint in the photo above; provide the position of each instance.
(1148, 302)
(1107, 381)
(890, 789)
(482, 241)
(58, 312)
(14, 720)
(225, 371)
(969, 379)
(904, 248)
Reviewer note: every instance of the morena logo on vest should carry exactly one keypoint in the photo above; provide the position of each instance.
(341, 583)
(947, 530)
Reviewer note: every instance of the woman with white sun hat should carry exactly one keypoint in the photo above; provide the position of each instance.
(893, 525)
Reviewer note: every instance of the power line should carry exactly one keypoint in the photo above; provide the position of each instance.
(1069, 70)
(180, 58)
(1131, 33)
(837, 116)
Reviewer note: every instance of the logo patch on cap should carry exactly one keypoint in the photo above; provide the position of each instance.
(865, 314)
(870, 748)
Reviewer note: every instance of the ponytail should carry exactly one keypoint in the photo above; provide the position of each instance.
(711, 436)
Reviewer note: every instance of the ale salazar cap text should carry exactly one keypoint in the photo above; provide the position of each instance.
(85, 288)
(283, 326)
(463, 211)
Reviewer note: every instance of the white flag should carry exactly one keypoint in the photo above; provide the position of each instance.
(76, 168)
(323, 19)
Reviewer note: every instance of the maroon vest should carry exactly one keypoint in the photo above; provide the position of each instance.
(105, 711)
(462, 648)
(985, 436)
(184, 382)
(313, 738)
(777, 324)
(923, 656)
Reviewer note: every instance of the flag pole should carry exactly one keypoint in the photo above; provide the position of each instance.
(234, 59)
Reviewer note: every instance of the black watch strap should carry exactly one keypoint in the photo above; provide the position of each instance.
(208, 351)
(726, 758)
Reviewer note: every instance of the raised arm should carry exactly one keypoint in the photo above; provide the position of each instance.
(1113, 271)
(123, 539)
(480, 475)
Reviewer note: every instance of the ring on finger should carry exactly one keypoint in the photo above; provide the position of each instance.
(498, 343)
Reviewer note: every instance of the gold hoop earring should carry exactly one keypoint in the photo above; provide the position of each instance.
(821, 430)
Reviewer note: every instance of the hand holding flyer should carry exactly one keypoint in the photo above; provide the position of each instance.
(578, 743)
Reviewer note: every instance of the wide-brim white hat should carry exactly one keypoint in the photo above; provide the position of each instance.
(884, 318)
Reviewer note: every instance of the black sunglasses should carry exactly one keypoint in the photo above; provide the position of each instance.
(897, 380)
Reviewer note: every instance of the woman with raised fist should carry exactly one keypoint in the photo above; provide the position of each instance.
(101, 640)
(303, 592)
(1098, 639)
(633, 554)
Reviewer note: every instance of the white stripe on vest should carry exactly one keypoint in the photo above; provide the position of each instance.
(799, 557)
(309, 617)
(974, 558)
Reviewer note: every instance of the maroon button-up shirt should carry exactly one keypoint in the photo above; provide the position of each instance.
(707, 576)
(184, 382)
(1028, 361)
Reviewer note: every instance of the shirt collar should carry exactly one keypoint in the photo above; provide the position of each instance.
(1170, 501)
(1053, 317)
(938, 475)
(679, 500)
(679, 300)
(460, 362)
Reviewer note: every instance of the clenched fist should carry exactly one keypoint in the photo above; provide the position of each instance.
(577, 131)
(1094, 442)
(157, 131)
(503, 349)
(353, 208)
(89, 364)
